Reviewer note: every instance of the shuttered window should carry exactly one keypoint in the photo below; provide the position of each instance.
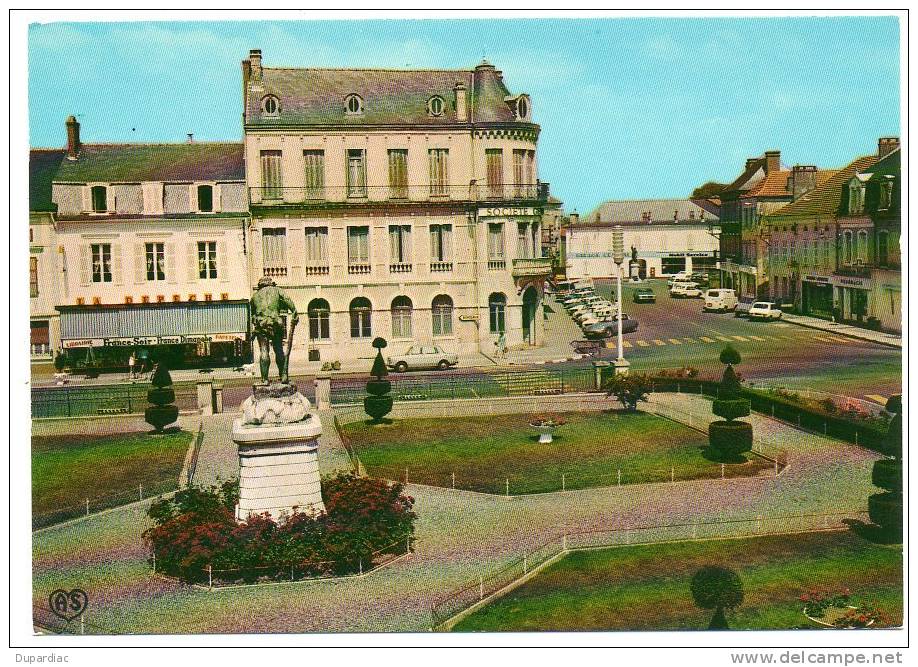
(101, 262)
(439, 171)
(207, 259)
(155, 261)
(398, 173)
(317, 245)
(33, 276)
(271, 176)
(496, 240)
(441, 243)
(315, 174)
(358, 245)
(400, 244)
(274, 247)
(494, 162)
(356, 173)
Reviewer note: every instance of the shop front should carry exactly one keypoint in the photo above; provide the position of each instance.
(818, 298)
(181, 335)
(852, 297)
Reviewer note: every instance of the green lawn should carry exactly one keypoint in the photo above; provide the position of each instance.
(66, 470)
(647, 587)
(486, 451)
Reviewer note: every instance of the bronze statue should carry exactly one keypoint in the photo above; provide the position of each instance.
(269, 302)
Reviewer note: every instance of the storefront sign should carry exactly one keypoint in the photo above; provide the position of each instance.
(690, 254)
(817, 279)
(856, 283)
(142, 341)
(502, 211)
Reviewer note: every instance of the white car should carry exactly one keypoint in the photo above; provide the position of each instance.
(685, 291)
(722, 300)
(682, 276)
(421, 357)
(764, 310)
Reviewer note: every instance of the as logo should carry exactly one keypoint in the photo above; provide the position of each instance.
(68, 605)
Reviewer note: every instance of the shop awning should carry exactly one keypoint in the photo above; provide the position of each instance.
(153, 324)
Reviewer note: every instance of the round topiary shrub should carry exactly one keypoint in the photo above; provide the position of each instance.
(379, 387)
(377, 407)
(730, 440)
(731, 409)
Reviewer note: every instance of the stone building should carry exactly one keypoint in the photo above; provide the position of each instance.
(668, 236)
(834, 252)
(401, 204)
(143, 246)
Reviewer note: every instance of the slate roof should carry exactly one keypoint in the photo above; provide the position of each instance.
(133, 163)
(631, 212)
(43, 164)
(311, 96)
(826, 198)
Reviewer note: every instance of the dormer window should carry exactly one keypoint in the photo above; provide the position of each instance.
(270, 105)
(886, 189)
(353, 105)
(206, 198)
(855, 197)
(99, 195)
(435, 106)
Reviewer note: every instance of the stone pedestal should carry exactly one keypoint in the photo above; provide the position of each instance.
(278, 459)
(621, 366)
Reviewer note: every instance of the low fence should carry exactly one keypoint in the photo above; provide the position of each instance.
(45, 620)
(90, 506)
(501, 578)
(84, 401)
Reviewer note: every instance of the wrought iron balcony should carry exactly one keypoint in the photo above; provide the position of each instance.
(532, 267)
(337, 196)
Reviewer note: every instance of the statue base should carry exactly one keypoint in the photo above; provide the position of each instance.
(278, 441)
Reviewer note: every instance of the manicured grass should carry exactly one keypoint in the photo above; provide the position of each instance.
(647, 587)
(66, 470)
(486, 451)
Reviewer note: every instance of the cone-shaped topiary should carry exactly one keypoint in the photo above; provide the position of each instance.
(886, 508)
(379, 402)
(162, 412)
(730, 439)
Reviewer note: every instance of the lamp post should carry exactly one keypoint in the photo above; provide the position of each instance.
(618, 256)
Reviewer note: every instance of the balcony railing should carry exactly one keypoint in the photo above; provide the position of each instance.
(338, 195)
(316, 269)
(400, 267)
(497, 264)
(436, 267)
(275, 271)
(531, 267)
(359, 268)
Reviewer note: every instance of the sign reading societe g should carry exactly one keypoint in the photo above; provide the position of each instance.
(503, 211)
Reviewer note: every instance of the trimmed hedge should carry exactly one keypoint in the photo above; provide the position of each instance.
(887, 474)
(885, 510)
(729, 440)
(730, 409)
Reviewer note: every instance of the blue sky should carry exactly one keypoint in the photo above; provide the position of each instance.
(629, 108)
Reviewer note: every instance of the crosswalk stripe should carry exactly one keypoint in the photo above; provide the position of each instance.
(610, 344)
(742, 339)
(838, 339)
(657, 341)
(706, 339)
(675, 341)
(626, 343)
(643, 343)
(757, 338)
(876, 397)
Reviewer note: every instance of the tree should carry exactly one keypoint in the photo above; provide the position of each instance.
(886, 508)
(629, 389)
(709, 189)
(379, 401)
(729, 439)
(717, 588)
(162, 411)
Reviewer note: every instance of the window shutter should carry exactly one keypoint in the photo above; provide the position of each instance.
(170, 263)
(447, 231)
(140, 263)
(191, 261)
(222, 262)
(116, 264)
(87, 201)
(85, 265)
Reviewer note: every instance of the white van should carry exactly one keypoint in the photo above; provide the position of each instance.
(721, 300)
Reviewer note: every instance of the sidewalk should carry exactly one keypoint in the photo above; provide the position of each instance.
(892, 340)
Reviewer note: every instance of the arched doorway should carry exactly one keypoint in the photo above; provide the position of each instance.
(530, 308)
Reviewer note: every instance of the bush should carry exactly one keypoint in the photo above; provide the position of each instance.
(730, 440)
(196, 528)
(628, 389)
(885, 510)
(730, 356)
(379, 403)
(731, 409)
(887, 474)
(162, 412)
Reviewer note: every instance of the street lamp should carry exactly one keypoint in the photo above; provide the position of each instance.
(618, 256)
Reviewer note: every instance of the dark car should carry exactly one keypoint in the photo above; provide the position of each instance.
(610, 328)
(643, 295)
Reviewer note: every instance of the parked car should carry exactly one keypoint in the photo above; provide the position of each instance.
(610, 328)
(643, 295)
(700, 278)
(743, 304)
(681, 276)
(721, 300)
(422, 357)
(764, 310)
(685, 291)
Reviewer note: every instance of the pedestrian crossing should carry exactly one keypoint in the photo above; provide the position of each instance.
(717, 339)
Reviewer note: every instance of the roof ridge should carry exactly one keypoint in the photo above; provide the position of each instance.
(369, 69)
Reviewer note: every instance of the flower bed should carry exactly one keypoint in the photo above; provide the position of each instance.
(836, 611)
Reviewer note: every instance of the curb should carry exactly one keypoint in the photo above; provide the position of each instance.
(896, 346)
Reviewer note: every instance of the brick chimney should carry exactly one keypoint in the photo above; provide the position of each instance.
(887, 145)
(750, 161)
(462, 112)
(802, 180)
(772, 161)
(73, 138)
(255, 64)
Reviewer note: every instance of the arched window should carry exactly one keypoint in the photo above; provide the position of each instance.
(497, 308)
(269, 105)
(848, 247)
(318, 312)
(862, 245)
(442, 312)
(401, 317)
(883, 248)
(353, 105)
(361, 312)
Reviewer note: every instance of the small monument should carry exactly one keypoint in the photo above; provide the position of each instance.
(278, 433)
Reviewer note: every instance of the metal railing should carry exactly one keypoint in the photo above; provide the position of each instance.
(76, 401)
(336, 195)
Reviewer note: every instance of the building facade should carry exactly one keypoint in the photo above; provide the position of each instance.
(150, 248)
(664, 237)
(401, 204)
(835, 253)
